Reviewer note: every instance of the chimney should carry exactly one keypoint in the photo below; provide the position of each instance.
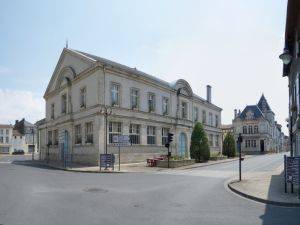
(208, 93)
(235, 113)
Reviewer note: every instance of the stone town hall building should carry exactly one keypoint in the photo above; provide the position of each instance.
(260, 131)
(143, 107)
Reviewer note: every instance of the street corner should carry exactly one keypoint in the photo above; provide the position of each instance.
(264, 187)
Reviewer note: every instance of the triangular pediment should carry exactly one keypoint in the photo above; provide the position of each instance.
(69, 65)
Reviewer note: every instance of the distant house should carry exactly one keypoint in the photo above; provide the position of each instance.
(29, 132)
(5, 138)
(18, 142)
(226, 129)
(260, 131)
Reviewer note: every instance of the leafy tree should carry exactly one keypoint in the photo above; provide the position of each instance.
(229, 145)
(199, 149)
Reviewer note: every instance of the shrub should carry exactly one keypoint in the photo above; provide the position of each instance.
(229, 145)
(199, 149)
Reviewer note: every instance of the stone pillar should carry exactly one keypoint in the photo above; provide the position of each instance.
(143, 134)
(158, 136)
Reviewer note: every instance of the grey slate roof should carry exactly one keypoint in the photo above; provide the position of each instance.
(263, 104)
(255, 109)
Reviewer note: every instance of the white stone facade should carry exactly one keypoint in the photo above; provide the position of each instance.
(142, 106)
(6, 138)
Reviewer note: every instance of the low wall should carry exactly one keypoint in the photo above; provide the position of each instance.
(174, 163)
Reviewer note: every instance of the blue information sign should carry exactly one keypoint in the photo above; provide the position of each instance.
(107, 160)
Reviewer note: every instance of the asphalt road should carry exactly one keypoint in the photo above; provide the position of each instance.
(40, 196)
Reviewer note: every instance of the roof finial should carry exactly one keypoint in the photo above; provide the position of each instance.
(67, 44)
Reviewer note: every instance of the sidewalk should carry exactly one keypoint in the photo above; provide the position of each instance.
(266, 187)
(133, 167)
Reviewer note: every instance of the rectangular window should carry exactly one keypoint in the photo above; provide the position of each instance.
(165, 106)
(164, 135)
(250, 131)
(256, 129)
(89, 133)
(78, 137)
(52, 111)
(115, 95)
(204, 117)
(196, 112)
(151, 138)
(217, 120)
(83, 97)
(134, 96)
(55, 137)
(64, 103)
(1, 139)
(1, 131)
(184, 109)
(210, 119)
(7, 132)
(253, 143)
(7, 139)
(244, 130)
(134, 133)
(151, 102)
(217, 141)
(211, 140)
(49, 137)
(115, 128)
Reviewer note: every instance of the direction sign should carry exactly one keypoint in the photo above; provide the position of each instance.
(121, 140)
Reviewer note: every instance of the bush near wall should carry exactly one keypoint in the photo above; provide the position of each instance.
(199, 149)
(229, 146)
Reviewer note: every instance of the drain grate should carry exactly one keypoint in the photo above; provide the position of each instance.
(95, 190)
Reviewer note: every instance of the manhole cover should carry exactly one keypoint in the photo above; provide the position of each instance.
(95, 190)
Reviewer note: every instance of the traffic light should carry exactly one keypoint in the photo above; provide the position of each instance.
(170, 137)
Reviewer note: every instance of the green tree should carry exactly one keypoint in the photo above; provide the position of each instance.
(229, 145)
(199, 149)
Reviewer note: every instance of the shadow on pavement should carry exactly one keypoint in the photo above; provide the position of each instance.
(30, 163)
(279, 215)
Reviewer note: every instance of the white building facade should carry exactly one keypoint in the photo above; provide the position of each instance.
(142, 106)
(6, 138)
(261, 133)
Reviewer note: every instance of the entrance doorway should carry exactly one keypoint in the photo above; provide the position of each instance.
(182, 144)
(262, 145)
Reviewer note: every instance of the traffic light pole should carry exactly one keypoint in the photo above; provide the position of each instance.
(168, 156)
(239, 142)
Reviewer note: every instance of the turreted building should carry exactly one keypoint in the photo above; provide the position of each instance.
(260, 131)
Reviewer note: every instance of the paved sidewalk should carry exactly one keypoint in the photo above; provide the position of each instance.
(134, 167)
(266, 187)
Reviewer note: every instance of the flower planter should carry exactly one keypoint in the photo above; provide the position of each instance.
(174, 163)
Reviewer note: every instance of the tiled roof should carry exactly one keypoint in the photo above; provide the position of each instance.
(6, 126)
(263, 104)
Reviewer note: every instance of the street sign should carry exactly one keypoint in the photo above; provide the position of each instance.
(107, 160)
(292, 172)
(121, 140)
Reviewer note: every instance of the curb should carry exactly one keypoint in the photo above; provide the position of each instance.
(215, 163)
(73, 170)
(257, 199)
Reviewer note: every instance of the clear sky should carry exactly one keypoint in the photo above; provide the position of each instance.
(233, 45)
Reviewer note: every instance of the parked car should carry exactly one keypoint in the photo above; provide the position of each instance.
(18, 152)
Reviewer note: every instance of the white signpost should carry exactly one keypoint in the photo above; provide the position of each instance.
(121, 141)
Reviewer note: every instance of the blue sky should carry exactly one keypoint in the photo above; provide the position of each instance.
(232, 45)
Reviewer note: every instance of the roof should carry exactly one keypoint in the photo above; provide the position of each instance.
(226, 126)
(6, 126)
(263, 104)
(137, 72)
(16, 133)
(251, 111)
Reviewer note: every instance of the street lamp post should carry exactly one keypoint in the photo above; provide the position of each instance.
(32, 132)
(106, 111)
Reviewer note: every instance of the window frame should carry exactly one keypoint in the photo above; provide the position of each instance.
(64, 103)
(151, 135)
(118, 95)
(196, 114)
(78, 135)
(184, 110)
(111, 131)
(89, 133)
(152, 106)
(135, 133)
(82, 97)
(136, 96)
(164, 135)
(165, 106)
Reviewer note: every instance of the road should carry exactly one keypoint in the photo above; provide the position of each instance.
(40, 196)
